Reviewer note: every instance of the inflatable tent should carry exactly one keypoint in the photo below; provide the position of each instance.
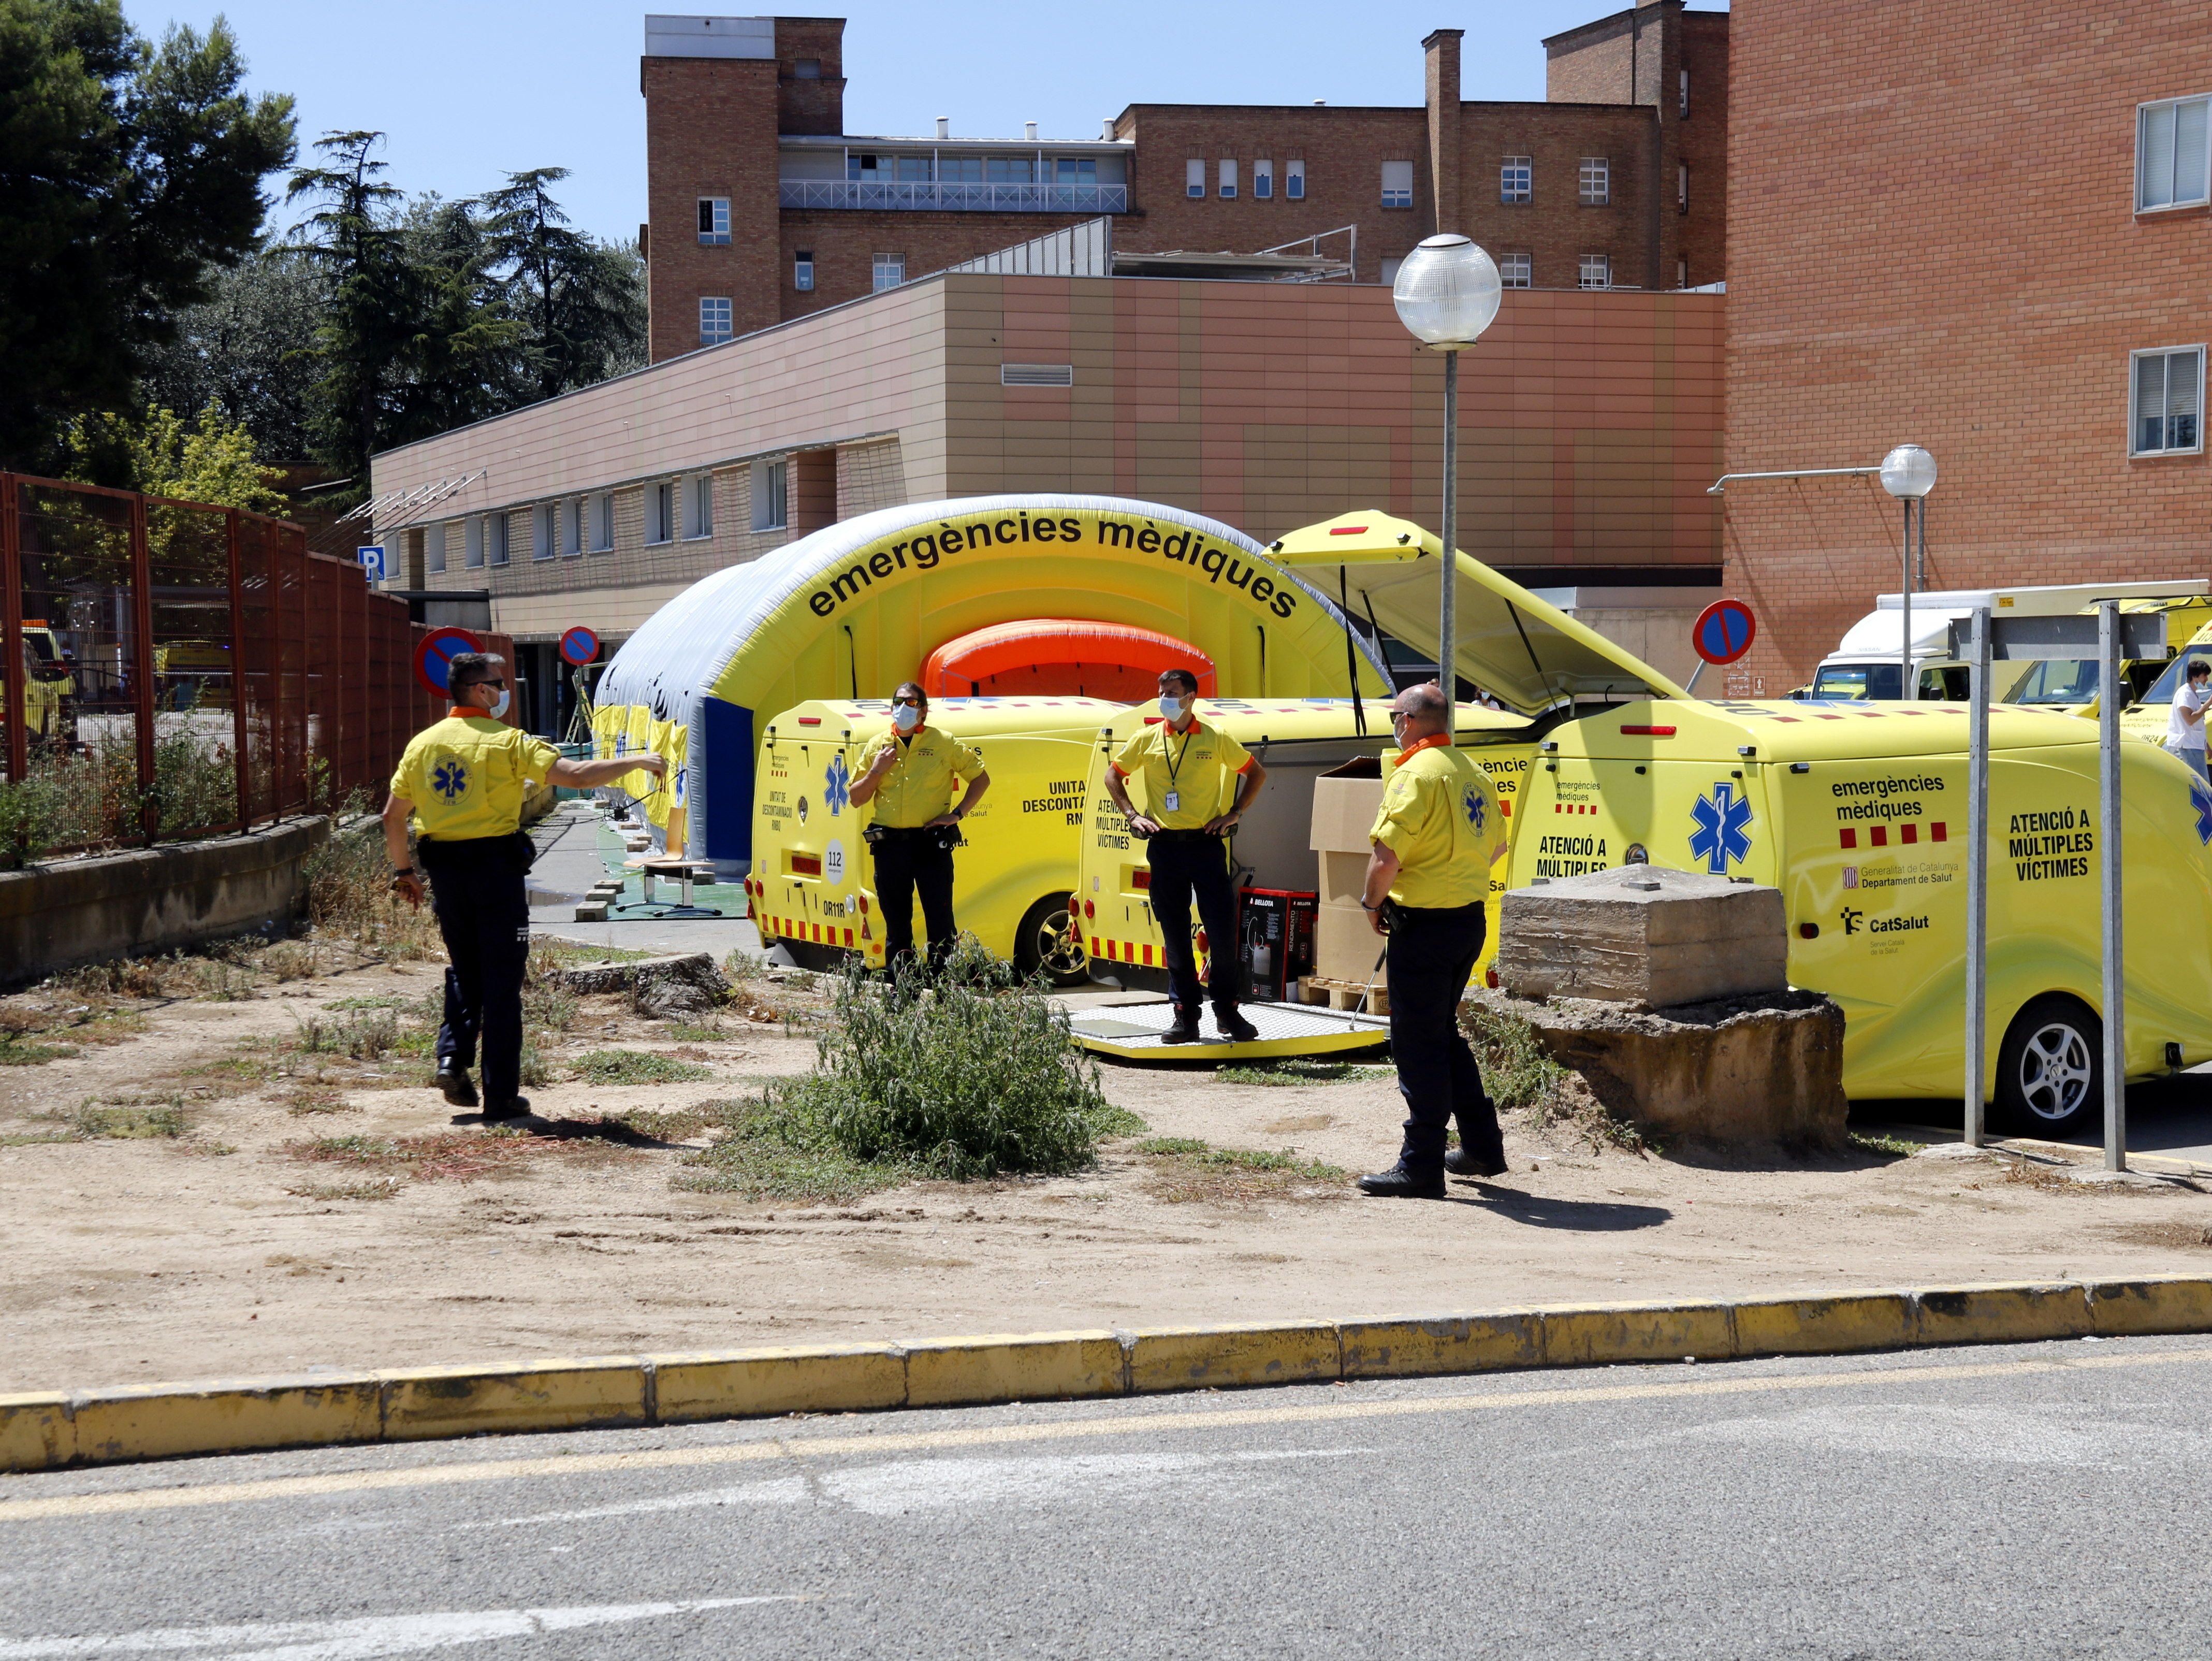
(854, 609)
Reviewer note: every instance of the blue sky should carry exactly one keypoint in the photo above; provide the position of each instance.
(470, 90)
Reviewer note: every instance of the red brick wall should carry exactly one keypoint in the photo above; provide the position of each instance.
(1938, 245)
(845, 243)
(1701, 141)
(1556, 228)
(710, 130)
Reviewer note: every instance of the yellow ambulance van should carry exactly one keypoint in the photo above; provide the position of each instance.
(812, 886)
(2070, 688)
(2147, 717)
(1857, 813)
(1296, 741)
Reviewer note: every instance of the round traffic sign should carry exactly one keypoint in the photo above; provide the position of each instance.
(579, 646)
(434, 656)
(1723, 631)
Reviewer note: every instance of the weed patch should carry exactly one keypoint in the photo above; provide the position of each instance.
(376, 1188)
(441, 1156)
(1516, 1071)
(15, 1052)
(622, 1067)
(1296, 1070)
(1185, 1171)
(1895, 1147)
(167, 1119)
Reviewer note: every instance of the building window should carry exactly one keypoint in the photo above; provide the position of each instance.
(1010, 170)
(1263, 180)
(770, 483)
(1597, 271)
(959, 169)
(1193, 178)
(802, 270)
(1080, 170)
(2169, 396)
(890, 270)
(473, 544)
(1685, 79)
(1596, 181)
(497, 527)
(602, 516)
(434, 550)
(698, 499)
(1681, 273)
(714, 320)
(1390, 266)
(1397, 184)
(1513, 269)
(1228, 180)
(1294, 180)
(1516, 181)
(542, 532)
(1683, 187)
(807, 69)
(660, 512)
(2172, 163)
(714, 220)
(572, 528)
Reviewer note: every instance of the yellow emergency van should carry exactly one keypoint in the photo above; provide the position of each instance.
(2147, 717)
(1296, 741)
(811, 885)
(1857, 813)
(2071, 687)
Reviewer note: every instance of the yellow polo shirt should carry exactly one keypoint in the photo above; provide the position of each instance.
(468, 775)
(1200, 766)
(1439, 816)
(919, 787)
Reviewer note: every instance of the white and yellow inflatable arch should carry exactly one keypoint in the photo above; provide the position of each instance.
(852, 611)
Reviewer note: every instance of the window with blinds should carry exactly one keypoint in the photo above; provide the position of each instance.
(2169, 402)
(1397, 184)
(2173, 154)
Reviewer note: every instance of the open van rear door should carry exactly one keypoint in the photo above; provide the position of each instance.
(1530, 656)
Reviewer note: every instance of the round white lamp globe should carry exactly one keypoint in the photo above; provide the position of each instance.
(1908, 472)
(1447, 292)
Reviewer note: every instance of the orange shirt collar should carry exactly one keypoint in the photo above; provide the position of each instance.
(1428, 743)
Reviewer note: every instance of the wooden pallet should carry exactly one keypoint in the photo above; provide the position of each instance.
(1344, 994)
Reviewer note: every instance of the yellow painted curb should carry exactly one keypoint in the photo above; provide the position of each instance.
(47, 1430)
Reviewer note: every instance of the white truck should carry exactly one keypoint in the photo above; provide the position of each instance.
(1866, 665)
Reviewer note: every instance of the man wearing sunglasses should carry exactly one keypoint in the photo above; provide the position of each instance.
(463, 781)
(1428, 873)
(908, 773)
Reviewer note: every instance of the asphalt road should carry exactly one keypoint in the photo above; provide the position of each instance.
(2171, 1118)
(2032, 1500)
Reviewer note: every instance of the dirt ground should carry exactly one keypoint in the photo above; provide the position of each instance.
(220, 1252)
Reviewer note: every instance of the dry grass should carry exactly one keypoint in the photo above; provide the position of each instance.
(454, 1155)
(1181, 1170)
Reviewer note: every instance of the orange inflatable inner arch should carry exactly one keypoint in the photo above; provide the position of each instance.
(1061, 656)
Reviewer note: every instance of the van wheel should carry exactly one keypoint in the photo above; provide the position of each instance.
(1047, 941)
(2051, 1067)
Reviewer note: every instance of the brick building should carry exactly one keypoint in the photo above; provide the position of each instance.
(761, 208)
(1989, 237)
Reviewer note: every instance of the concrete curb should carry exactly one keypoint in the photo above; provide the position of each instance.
(45, 1431)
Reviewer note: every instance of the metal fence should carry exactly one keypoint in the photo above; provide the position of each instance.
(172, 669)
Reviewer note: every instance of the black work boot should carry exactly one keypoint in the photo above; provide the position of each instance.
(454, 1081)
(1235, 1027)
(1460, 1163)
(1399, 1183)
(1185, 1028)
(515, 1107)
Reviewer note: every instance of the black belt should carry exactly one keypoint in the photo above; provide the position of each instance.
(935, 836)
(1164, 835)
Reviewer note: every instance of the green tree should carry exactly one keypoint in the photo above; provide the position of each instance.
(465, 357)
(578, 298)
(246, 349)
(210, 458)
(128, 172)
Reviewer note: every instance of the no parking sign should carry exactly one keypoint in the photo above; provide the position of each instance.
(1723, 631)
(434, 657)
(579, 646)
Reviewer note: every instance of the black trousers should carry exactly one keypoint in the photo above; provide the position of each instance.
(476, 890)
(1196, 870)
(1432, 953)
(906, 865)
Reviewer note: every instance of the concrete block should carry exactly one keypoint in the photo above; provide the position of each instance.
(2018, 1313)
(556, 1394)
(1415, 1347)
(1598, 1333)
(2154, 1302)
(1834, 1324)
(1261, 1353)
(159, 1422)
(1768, 1067)
(1643, 935)
(592, 911)
(759, 1383)
(1012, 1367)
(36, 1431)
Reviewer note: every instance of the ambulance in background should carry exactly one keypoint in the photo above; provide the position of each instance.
(1865, 666)
(2148, 716)
(812, 886)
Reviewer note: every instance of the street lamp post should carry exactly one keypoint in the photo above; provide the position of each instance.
(1447, 293)
(1908, 472)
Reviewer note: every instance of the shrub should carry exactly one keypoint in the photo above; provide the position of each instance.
(1516, 1071)
(635, 1067)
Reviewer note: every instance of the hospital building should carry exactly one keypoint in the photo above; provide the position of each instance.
(1183, 303)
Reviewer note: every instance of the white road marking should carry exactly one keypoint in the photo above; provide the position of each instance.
(357, 1640)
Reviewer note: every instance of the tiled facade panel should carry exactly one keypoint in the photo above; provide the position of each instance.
(870, 477)
(1985, 306)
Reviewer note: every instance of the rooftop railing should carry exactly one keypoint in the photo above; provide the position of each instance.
(935, 198)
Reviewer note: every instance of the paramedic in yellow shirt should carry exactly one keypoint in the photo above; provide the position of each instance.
(908, 773)
(463, 781)
(1428, 873)
(1198, 782)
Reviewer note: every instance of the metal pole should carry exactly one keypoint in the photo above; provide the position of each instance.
(1447, 596)
(2108, 864)
(16, 714)
(238, 673)
(141, 668)
(1905, 687)
(1920, 565)
(1978, 877)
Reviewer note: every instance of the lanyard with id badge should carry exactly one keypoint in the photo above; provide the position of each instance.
(1172, 801)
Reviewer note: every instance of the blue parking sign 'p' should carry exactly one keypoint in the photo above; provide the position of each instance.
(372, 561)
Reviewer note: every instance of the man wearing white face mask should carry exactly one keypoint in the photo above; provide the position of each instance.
(908, 773)
(463, 781)
(1198, 782)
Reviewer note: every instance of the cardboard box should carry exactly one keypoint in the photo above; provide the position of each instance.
(1343, 878)
(1344, 801)
(1345, 945)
